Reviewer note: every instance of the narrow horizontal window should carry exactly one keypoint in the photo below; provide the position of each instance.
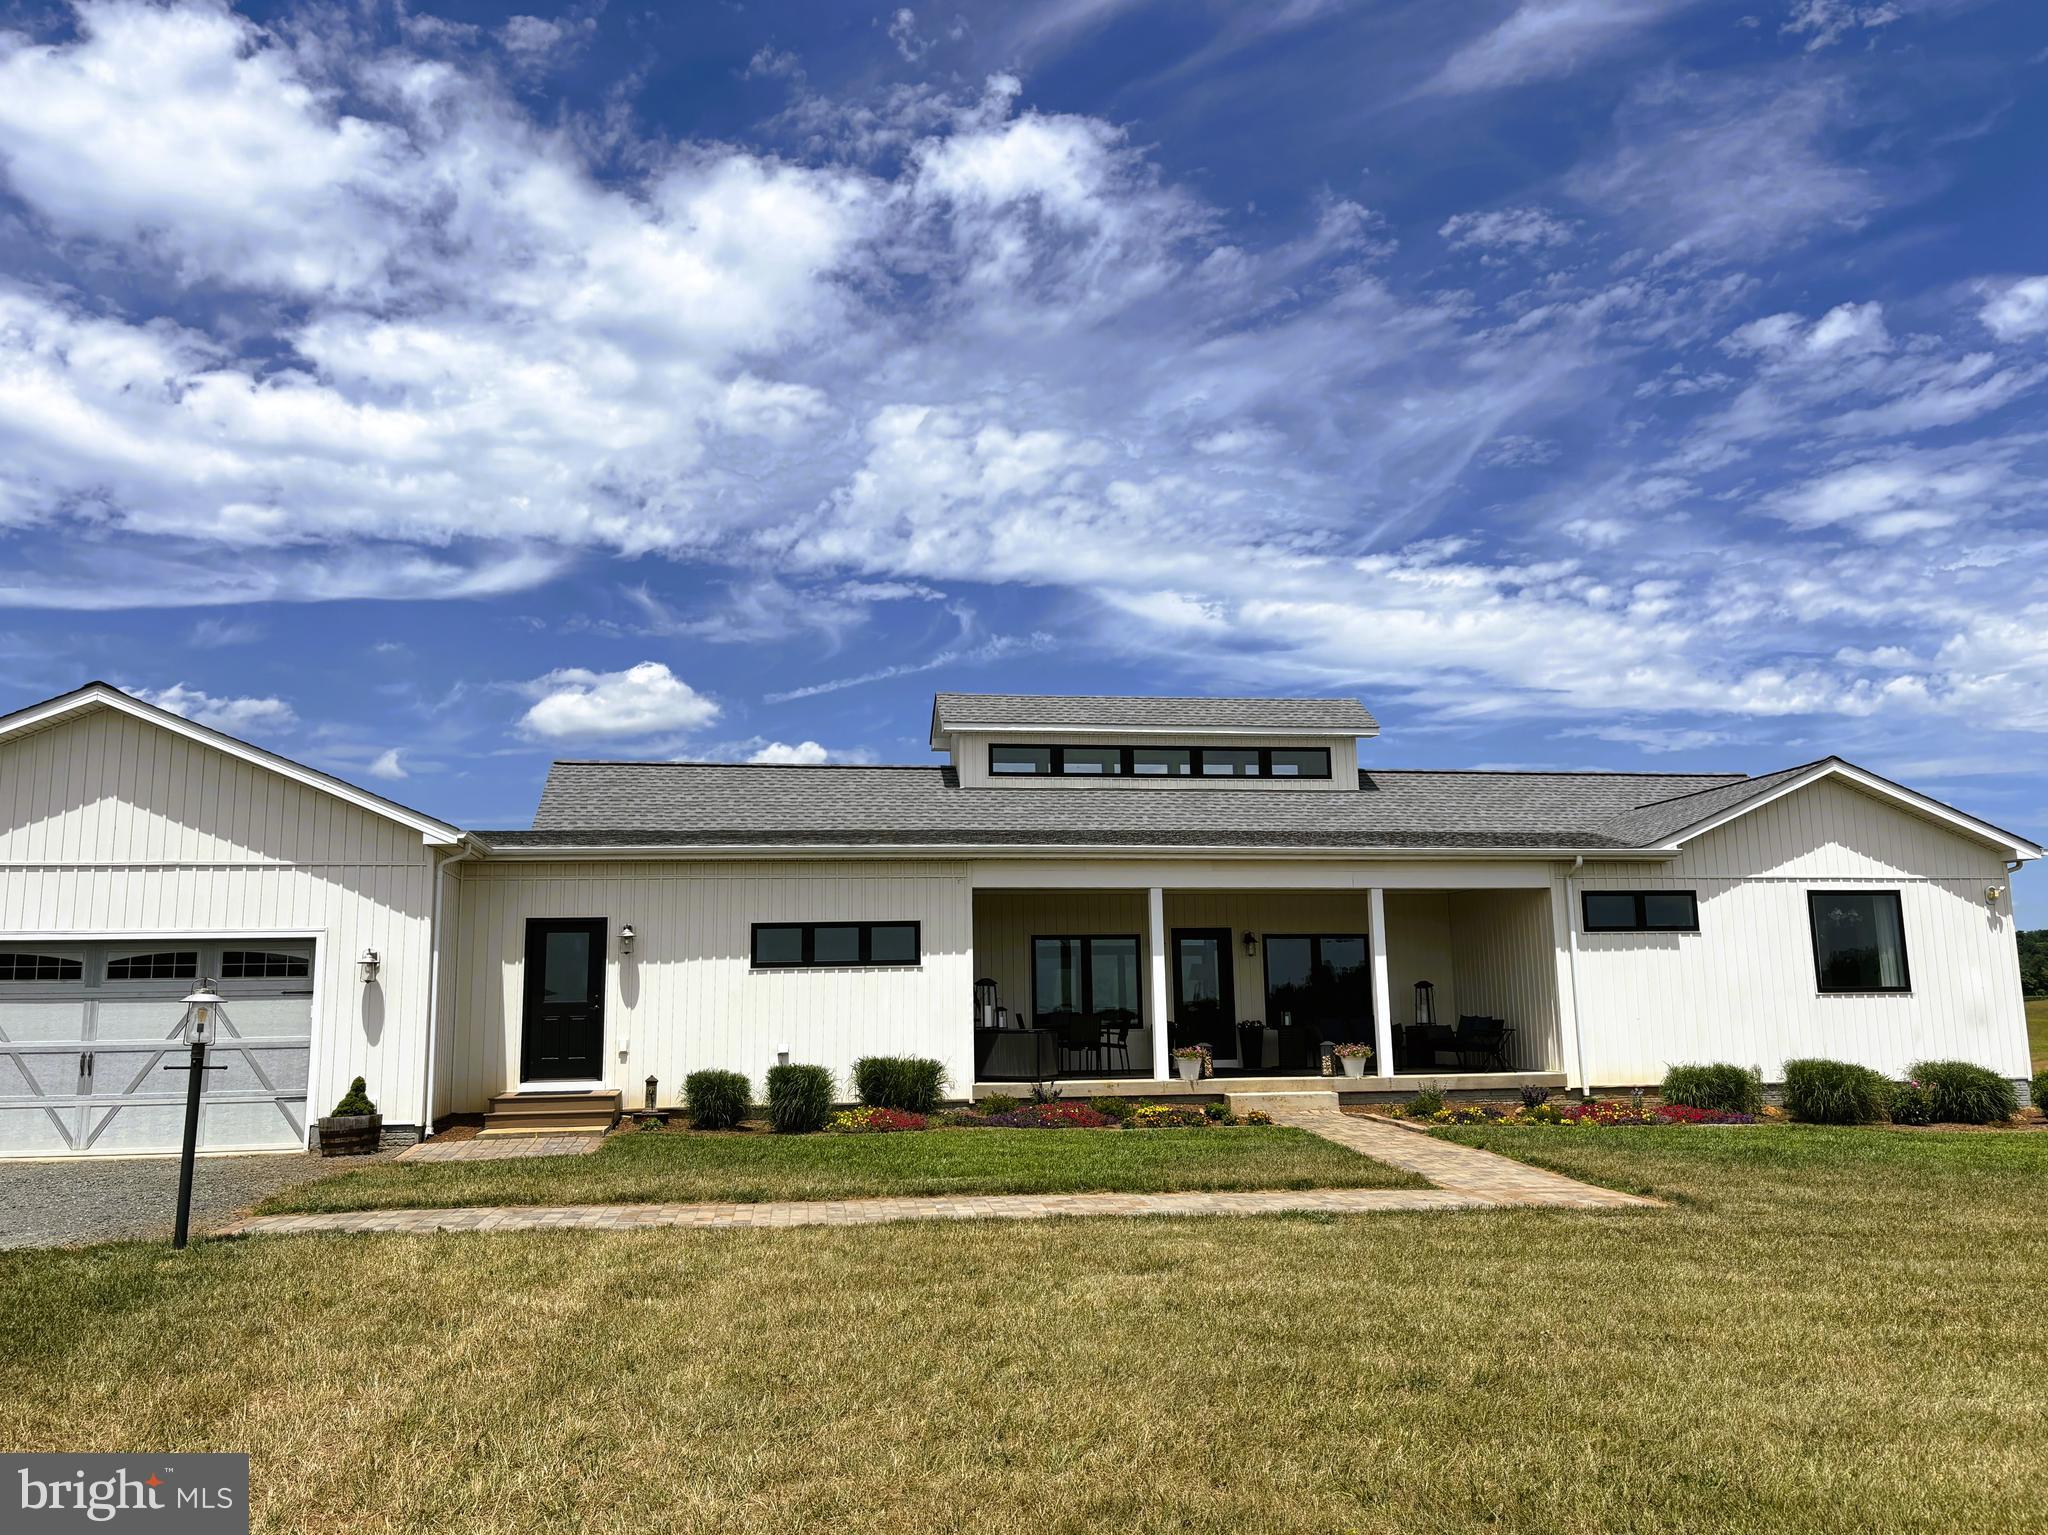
(834, 945)
(1641, 911)
(1162, 761)
(1230, 762)
(1092, 761)
(1859, 940)
(40, 967)
(1298, 762)
(1159, 761)
(262, 964)
(171, 965)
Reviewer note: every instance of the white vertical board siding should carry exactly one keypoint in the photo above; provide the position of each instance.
(111, 825)
(1742, 989)
(688, 997)
(1504, 961)
(1419, 949)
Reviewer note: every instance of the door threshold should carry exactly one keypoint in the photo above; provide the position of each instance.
(575, 1085)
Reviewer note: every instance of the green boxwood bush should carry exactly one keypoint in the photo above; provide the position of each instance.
(356, 1100)
(907, 1082)
(1731, 1089)
(1964, 1094)
(1824, 1092)
(717, 1100)
(2038, 1091)
(799, 1098)
(1118, 1109)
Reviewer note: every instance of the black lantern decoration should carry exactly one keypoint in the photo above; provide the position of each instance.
(1425, 1003)
(1251, 943)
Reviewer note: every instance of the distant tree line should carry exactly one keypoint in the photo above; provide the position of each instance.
(2034, 962)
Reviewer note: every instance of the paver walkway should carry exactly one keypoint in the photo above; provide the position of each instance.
(500, 1148)
(857, 1212)
(1484, 1175)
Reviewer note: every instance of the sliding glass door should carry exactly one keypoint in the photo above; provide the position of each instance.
(1085, 991)
(1319, 986)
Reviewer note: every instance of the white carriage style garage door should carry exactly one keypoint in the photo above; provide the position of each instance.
(87, 1030)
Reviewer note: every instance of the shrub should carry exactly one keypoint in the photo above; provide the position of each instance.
(1911, 1104)
(1118, 1109)
(1964, 1094)
(799, 1098)
(869, 1120)
(907, 1082)
(1255, 1117)
(1824, 1092)
(717, 1100)
(997, 1103)
(356, 1100)
(1045, 1092)
(1425, 1103)
(2038, 1091)
(1534, 1097)
(1217, 1113)
(1167, 1116)
(1731, 1089)
(1052, 1116)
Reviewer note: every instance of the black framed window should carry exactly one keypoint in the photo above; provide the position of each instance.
(1092, 976)
(1859, 940)
(18, 966)
(1322, 981)
(1159, 761)
(263, 964)
(834, 945)
(172, 965)
(1641, 911)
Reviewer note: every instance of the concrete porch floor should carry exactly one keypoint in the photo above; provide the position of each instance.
(1406, 1085)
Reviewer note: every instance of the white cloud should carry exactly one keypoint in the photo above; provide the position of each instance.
(1823, 22)
(2016, 310)
(387, 765)
(803, 754)
(1544, 39)
(1521, 229)
(236, 716)
(573, 704)
(1891, 497)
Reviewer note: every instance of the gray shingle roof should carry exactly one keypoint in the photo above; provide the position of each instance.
(970, 711)
(698, 804)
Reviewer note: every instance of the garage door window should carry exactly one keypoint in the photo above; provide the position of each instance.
(171, 965)
(19, 966)
(250, 964)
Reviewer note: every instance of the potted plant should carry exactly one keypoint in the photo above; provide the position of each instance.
(1193, 1062)
(1354, 1059)
(355, 1128)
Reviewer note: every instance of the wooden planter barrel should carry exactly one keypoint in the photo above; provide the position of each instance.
(350, 1135)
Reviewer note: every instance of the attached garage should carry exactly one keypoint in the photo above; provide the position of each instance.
(89, 1043)
(139, 853)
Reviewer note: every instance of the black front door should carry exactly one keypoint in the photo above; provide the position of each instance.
(1204, 1001)
(563, 1036)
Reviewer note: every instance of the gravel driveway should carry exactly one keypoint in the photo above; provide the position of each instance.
(52, 1204)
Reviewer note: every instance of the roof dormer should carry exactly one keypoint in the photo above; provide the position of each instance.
(1008, 739)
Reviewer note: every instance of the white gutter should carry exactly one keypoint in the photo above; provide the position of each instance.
(771, 850)
(467, 849)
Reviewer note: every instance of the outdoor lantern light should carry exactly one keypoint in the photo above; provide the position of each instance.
(1425, 1002)
(1251, 943)
(202, 1014)
(367, 967)
(1992, 893)
(626, 939)
(652, 1083)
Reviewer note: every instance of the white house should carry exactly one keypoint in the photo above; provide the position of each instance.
(1084, 883)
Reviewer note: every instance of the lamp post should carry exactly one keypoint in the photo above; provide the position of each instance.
(203, 1015)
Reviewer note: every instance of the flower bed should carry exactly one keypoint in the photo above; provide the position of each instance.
(873, 1121)
(1594, 1115)
(1050, 1116)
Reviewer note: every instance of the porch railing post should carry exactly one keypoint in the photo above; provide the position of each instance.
(1156, 993)
(1382, 986)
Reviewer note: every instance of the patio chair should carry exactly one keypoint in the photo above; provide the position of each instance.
(1479, 1042)
(1080, 1037)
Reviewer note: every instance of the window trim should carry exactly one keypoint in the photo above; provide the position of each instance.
(1821, 987)
(1125, 751)
(1641, 924)
(1087, 971)
(809, 961)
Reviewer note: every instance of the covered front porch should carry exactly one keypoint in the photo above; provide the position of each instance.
(1095, 987)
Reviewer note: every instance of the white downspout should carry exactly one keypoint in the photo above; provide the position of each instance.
(466, 850)
(1571, 938)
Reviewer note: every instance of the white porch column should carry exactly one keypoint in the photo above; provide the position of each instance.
(1382, 987)
(1565, 1040)
(1156, 994)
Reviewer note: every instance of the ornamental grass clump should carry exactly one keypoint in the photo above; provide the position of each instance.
(1824, 1092)
(1731, 1089)
(799, 1098)
(906, 1082)
(2037, 1090)
(1965, 1094)
(716, 1100)
(1118, 1109)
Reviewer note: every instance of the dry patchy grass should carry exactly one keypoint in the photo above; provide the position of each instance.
(653, 1167)
(1827, 1331)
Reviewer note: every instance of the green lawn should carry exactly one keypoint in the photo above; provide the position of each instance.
(2037, 1031)
(1826, 1331)
(646, 1167)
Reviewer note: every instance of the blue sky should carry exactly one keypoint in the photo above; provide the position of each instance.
(426, 393)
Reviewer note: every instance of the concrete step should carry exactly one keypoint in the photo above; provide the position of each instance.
(553, 1113)
(565, 1126)
(1240, 1103)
